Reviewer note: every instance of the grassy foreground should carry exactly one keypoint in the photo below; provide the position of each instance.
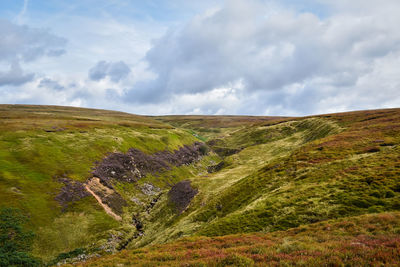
(369, 240)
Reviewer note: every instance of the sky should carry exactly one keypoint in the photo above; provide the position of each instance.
(220, 57)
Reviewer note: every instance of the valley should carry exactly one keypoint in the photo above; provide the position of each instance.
(104, 188)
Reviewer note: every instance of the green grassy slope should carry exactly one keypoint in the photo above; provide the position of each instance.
(225, 191)
(38, 144)
(334, 166)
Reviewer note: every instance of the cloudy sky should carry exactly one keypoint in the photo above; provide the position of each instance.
(258, 57)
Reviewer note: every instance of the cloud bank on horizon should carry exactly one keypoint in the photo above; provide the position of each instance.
(254, 57)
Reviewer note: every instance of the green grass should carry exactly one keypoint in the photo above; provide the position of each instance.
(38, 144)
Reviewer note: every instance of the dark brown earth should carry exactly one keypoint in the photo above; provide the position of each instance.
(71, 191)
(135, 164)
(181, 194)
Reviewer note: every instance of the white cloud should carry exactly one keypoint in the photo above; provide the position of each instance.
(20, 44)
(26, 44)
(273, 51)
(242, 57)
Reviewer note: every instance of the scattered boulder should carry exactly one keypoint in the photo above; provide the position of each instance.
(149, 189)
(181, 194)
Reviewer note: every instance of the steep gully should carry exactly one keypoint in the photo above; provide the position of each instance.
(125, 167)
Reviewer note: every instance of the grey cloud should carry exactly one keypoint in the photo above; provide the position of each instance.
(269, 51)
(15, 76)
(24, 43)
(288, 62)
(19, 44)
(116, 71)
(145, 93)
(99, 71)
(56, 52)
(51, 84)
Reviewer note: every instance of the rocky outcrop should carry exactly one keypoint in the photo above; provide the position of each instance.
(135, 164)
(181, 194)
(127, 167)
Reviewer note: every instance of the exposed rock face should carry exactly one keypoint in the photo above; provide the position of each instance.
(181, 195)
(119, 166)
(135, 164)
(71, 191)
(185, 155)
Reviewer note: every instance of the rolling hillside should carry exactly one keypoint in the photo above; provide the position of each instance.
(47, 153)
(246, 190)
